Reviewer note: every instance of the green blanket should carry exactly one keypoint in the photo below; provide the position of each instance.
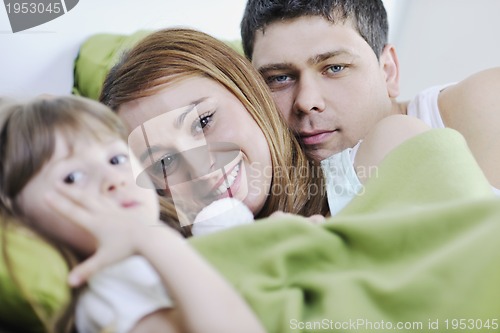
(418, 252)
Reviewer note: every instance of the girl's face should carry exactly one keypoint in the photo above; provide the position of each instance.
(97, 169)
(199, 143)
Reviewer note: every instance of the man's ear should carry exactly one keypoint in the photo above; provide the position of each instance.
(389, 63)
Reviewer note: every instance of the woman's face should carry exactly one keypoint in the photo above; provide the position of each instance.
(199, 143)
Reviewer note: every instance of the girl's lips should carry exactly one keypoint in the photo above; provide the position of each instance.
(316, 138)
(129, 204)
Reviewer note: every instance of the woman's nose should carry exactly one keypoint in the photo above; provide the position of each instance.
(199, 161)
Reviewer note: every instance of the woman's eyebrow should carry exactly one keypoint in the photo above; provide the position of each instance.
(149, 152)
(180, 119)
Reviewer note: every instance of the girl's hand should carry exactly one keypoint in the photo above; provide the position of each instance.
(117, 230)
(314, 219)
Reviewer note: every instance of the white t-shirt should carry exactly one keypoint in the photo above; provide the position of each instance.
(425, 107)
(119, 296)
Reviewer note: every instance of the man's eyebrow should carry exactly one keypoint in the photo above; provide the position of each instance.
(275, 67)
(180, 119)
(327, 55)
(313, 60)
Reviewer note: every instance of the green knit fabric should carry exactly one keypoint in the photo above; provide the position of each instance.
(420, 245)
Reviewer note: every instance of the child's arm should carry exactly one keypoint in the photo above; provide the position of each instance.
(204, 300)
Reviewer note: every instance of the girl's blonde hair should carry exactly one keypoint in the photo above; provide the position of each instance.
(175, 54)
(27, 137)
(27, 142)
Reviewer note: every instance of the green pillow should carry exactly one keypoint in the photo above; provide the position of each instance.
(100, 52)
(96, 57)
(41, 272)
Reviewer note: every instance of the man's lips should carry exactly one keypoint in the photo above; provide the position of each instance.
(315, 138)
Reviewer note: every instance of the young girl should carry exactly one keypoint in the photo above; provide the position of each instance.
(65, 160)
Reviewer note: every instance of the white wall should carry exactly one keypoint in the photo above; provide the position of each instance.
(437, 41)
(440, 41)
(40, 60)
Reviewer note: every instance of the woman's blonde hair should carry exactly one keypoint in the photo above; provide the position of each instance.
(175, 54)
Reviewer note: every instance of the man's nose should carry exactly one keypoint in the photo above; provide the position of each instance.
(308, 96)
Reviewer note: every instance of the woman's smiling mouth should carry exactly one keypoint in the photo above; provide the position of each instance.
(229, 183)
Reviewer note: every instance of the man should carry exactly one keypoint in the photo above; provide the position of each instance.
(333, 75)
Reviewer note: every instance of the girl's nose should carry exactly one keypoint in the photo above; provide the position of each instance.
(113, 180)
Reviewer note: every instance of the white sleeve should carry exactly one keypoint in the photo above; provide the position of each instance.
(119, 296)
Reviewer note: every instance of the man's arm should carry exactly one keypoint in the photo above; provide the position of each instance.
(472, 107)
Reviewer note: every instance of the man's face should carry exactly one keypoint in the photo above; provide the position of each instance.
(326, 80)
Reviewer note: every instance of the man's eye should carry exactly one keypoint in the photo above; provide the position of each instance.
(119, 159)
(276, 79)
(336, 69)
(73, 177)
(278, 82)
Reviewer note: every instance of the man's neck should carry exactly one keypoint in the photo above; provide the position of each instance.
(399, 107)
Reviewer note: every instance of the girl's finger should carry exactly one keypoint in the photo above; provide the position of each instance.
(317, 219)
(82, 198)
(82, 272)
(67, 208)
(72, 193)
(278, 213)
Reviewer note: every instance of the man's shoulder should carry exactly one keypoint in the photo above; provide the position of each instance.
(473, 101)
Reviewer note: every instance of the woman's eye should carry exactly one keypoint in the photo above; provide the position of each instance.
(73, 177)
(165, 166)
(202, 122)
(119, 159)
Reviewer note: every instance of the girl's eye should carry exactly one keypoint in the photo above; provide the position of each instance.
(119, 159)
(73, 177)
(203, 121)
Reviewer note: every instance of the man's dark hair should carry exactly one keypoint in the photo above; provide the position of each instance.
(367, 16)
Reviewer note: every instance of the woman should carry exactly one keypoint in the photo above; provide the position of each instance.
(172, 69)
